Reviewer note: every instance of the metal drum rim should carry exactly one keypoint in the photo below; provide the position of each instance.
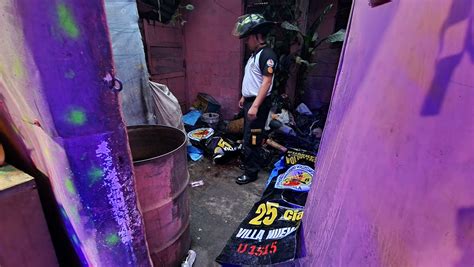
(160, 126)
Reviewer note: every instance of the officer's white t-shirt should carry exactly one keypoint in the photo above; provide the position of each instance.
(263, 62)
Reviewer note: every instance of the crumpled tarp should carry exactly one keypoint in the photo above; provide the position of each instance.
(166, 106)
(129, 59)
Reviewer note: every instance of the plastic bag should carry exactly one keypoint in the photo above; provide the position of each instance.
(166, 106)
(222, 149)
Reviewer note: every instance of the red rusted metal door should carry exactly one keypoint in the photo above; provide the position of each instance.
(165, 55)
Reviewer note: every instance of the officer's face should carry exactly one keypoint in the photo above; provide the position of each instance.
(251, 42)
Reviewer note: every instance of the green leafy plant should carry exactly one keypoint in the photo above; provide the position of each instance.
(280, 39)
(178, 16)
(310, 41)
(289, 35)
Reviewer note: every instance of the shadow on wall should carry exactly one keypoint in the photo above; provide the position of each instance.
(460, 11)
(17, 153)
(465, 236)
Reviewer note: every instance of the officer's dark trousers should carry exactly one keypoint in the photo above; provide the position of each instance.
(251, 156)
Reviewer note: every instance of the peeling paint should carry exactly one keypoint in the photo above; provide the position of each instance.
(108, 77)
(49, 44)
(115, 195)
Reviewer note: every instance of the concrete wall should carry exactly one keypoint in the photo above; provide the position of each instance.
(395, 170)
(213, 56)
(64, 119)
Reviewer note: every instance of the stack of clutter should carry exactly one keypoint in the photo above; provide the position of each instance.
(220, 140)
(206, 132)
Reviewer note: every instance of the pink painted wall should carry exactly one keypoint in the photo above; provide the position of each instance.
(213, 55)
(395, 174)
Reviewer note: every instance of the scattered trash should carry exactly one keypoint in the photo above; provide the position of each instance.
(189, 259)
(197, 183)
(166, 107)
(286, 128)
(195, 153)
(206, 103)
(318, 132)
(283, 116)
(235, 126)
(303, 109)
(192, 117)
(211, 119)
(274, 144)
(281, 128)
(222, 149)
(200, 134)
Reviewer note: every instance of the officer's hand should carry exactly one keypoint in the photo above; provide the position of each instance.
(252, 113)
(241, 102)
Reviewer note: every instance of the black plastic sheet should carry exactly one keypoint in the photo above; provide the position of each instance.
(268, 235)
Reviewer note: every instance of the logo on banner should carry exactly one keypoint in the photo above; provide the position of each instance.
(297, 178)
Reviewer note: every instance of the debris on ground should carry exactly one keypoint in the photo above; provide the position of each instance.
(191, 117)
(220, 140)
(194, 153)
(291, 141)
(197, 183)
(199, 135)
(189, 259)
(222, 149)
(166, 107)
(211, 118)
(303, 109)
(206, 103)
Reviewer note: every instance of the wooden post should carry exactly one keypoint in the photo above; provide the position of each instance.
(25, 240)
(56, 79)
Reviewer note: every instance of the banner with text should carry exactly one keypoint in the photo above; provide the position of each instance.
(268, 234)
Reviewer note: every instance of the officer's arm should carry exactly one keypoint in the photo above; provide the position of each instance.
(263, 90)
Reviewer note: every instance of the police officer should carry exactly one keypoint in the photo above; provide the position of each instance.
(256, 87)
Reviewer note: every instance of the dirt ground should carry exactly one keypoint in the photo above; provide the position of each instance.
(218, 207)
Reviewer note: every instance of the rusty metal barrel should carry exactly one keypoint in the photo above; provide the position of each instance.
(162, 178)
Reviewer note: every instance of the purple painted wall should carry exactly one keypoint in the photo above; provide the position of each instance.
(395, 184)
(213, 55)
(55, 61)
